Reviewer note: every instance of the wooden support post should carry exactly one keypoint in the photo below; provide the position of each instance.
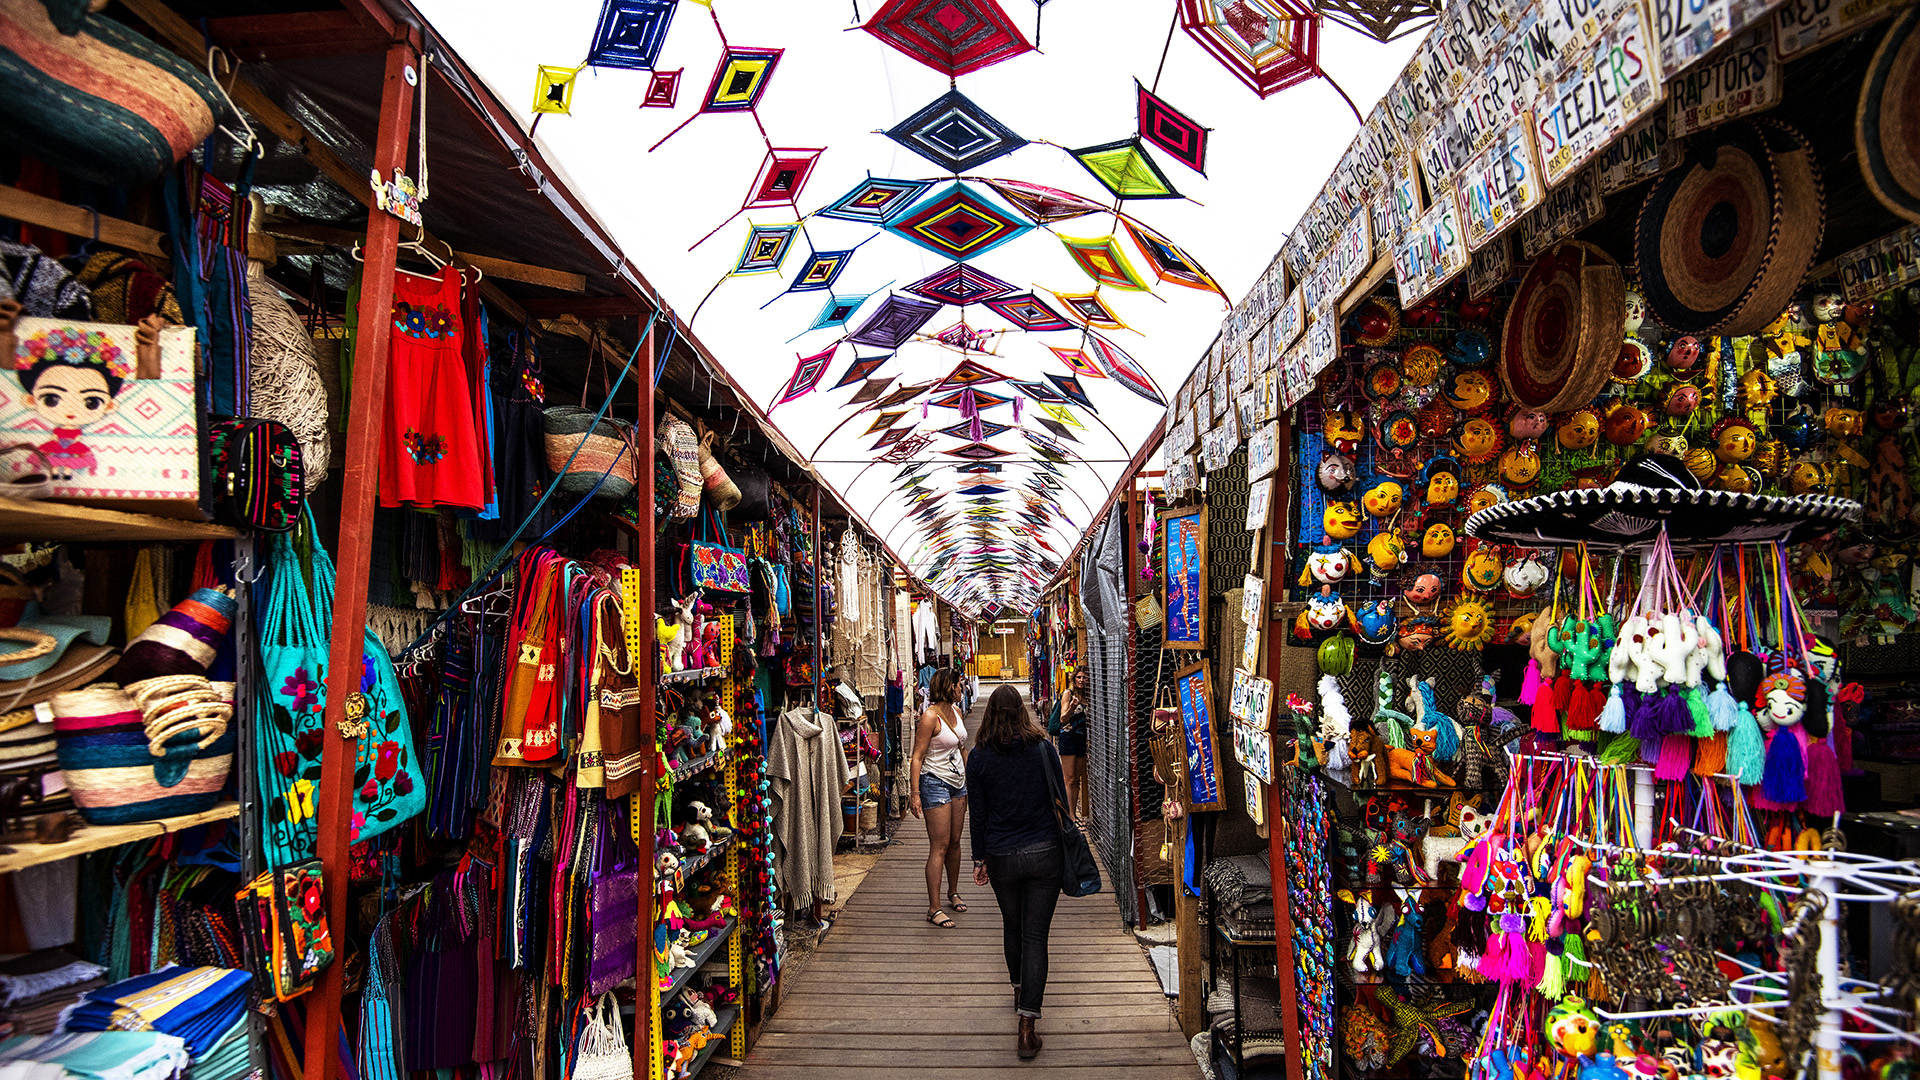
(361, 478)
(1189, 940)
(646, 1055)
(1276, 565)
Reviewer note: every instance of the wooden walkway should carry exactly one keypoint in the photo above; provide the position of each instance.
(887, 995)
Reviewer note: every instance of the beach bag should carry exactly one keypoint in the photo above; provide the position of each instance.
(294, 643)
(615, 901)
(602, 1052)
(123, 766)
(256, 475)
(92, 98)
(605, 466)
(710, 563)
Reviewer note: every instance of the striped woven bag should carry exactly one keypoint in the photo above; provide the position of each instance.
(92, 98)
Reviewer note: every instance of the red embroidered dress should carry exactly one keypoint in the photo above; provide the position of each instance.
(430, 452)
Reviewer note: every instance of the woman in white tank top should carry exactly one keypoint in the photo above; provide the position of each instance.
(939, 791)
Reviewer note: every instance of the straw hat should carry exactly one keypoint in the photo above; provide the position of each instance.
(1886, 129)
(1803, 205)
(1717, 250)
(1563, 329)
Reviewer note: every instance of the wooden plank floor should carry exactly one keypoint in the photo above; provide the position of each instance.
(888, 995)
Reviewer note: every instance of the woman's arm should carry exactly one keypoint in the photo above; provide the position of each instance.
(923, 733)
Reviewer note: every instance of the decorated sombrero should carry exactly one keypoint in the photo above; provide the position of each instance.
(1717, 249)
(1886, 129)
(1563, 329)
(1654, 492)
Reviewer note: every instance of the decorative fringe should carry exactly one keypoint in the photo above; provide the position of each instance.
(1786, 773)
(1710, 755)
(1562, 691)
(1613, 717)
(1643, 721)
(1746, 752)
(1620, 750)
(1530, 684)
(1470, 931)
(1824, 797)
(1676, 756)
(1720, 706)
(1583, 711)
(1697, 708)
(1553, 977)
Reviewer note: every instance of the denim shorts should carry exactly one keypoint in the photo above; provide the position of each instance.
(937, 792)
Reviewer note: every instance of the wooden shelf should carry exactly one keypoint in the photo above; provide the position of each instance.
(39, 519)
(96, 837)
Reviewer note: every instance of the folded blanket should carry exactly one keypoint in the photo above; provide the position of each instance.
(37, 974)
(1239, 880)
(105, 1055)
(198, 1004)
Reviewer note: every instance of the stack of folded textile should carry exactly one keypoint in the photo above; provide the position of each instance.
(1242, 886)
(201, 1005)
(227, 1060)
(106, 1055)
(37, 987)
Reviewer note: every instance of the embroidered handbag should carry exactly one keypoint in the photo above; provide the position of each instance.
(615, 902)
(290, 926)
(712, 565)
(256, 478)
(294, 645)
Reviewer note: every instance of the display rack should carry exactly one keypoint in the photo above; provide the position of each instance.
(98, 837)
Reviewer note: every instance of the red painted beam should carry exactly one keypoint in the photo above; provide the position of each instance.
(361, 478)
(1277, 532)
(649, 723)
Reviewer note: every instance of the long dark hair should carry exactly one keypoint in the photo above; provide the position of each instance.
(944, 688)
(1008, 725)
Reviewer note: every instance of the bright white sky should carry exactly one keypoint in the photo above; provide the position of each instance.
(839, 88)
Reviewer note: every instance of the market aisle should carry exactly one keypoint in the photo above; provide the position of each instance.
(887, 992)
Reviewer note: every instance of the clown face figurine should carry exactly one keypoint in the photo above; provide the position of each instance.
(1782, 699)
(1327, 564)
(1636, 311)
(1425, 589)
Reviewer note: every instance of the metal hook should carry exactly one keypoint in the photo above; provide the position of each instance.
(251, 141)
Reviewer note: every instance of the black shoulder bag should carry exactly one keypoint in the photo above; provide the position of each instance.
(1081, 876)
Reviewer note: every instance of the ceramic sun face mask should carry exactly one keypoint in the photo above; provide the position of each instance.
(1382, 499)
(1579, 431)
(1484, 496)
(1734, 440)
(1443, 488)
(1520, 465)
(1479, 440)
(1471, 390)
(1438, 541)
(1341, 520)
(1482, 569)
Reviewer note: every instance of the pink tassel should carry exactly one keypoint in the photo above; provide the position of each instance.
(1824, 795)
(976, 430)
(1017, 402)
(1530, 685)
(1473, 873)
(1676, 758)
(969, 404)
(1842, 738)
(1536, 962)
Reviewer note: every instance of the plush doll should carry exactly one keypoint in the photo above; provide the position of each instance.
(673, 644)
(1364, 955)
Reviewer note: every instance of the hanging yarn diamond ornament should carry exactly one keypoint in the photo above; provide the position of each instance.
(955, 134)
(1028, 312)
(1171, 130)
(1126, 169)
(631, 33)
(876, 200)
(553, 89)
(1381, 20)
(663, 89)
(806, 375)
(952, 37)
(960, 284)
(1267, 44)
(958, 222)
(1104, 262)
(895, 322)
(765, 250)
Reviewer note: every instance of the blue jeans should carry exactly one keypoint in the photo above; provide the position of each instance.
(1027, 885)
(937, 792)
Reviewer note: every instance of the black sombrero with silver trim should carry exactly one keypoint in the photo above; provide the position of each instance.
(1655, 492)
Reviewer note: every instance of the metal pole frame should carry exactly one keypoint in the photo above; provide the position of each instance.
(361, 478)
(1276, 630)
(641, 650)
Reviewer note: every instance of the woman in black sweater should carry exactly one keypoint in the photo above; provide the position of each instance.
(1016, 843)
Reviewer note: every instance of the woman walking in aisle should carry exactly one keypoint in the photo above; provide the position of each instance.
(1016, 844)
(939, 792)
(1071, 737)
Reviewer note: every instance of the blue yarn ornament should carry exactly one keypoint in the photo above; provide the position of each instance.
(1786, 777)
(1746, 748)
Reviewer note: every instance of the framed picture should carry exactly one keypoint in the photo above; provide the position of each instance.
(1183, 539)
(1197, 726)
(1237, 699)
(1263, 451)
(1259, 497)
